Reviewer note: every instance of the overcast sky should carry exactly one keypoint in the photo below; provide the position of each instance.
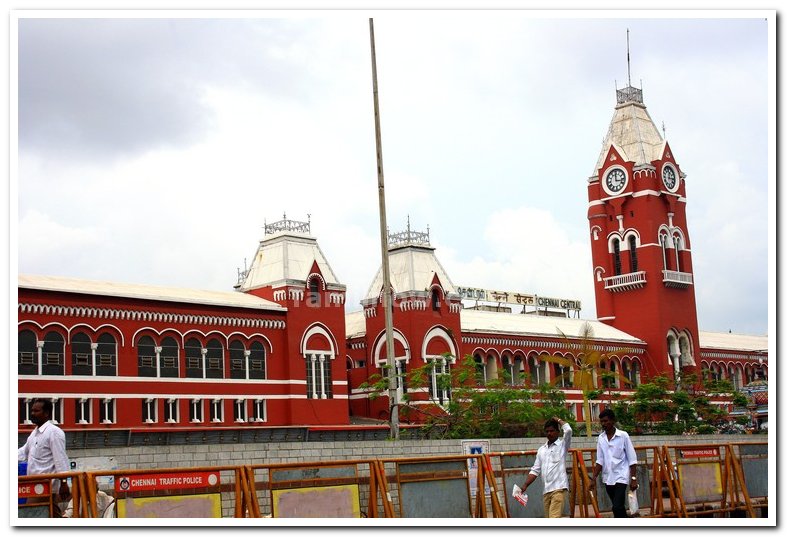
(152, 150)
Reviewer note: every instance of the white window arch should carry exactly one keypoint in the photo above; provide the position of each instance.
(319, 382)
(441, 363)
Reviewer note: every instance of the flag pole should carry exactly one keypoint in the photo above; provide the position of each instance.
(393, 409)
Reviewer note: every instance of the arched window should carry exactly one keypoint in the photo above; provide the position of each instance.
(737, 377)
(705, 368)
(146, 357)
(435, 300)
(490, 367)
(81, 355)
(314, 292)
(678, 248)
(635, 374)
(28, 353)
(439, 379)
(663, 242)
(106, 355)
(536, 378)
(508, 367)
(633, 253)
(53, 354)
(214, 360)
(613, 369)
(604, 379)
(480, 370)
(194, 359)
(257, 361)
(563, 376)
(319, 383)
(238, 365)
(168, 358)
(616, 256)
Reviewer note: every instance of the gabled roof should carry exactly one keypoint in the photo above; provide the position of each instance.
(539, 325)
(412, 268)
(634, 135)
(146, 292)
(287, 257)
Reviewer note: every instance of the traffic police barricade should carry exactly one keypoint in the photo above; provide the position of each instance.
(200, 492)
(514, 469)
(709, 479)
(753, 461)
(654, 485)
(441, 487)
(322, 489)
(35, 495)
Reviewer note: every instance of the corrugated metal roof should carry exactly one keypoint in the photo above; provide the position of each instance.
(146, 292)
(355, 324)
(634, 134)
(517, 323)
(412, 269)
(741, 342)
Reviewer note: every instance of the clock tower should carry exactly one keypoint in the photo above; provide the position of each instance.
(641, 251)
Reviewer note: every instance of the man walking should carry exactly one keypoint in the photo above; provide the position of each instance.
(551, 465)
(616, 461)
(45, 449)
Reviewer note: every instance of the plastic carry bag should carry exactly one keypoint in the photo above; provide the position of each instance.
(633, 502)
(516, 492)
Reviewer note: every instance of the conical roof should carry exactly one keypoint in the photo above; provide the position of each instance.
(286, 255)
(412, 268)
(632, 131)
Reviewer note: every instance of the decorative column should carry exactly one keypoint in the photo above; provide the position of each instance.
(322, 376)
(204, 352)
(93, 347)
(40, 347)
(157, 350)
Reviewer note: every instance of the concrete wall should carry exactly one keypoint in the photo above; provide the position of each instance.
(185, 456)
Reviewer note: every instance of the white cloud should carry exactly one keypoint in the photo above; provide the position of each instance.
(491, 124)
(55, 248)
(531, 253)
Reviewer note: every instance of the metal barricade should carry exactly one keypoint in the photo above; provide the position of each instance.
(325, 489)
(35, 493)
(198, 492)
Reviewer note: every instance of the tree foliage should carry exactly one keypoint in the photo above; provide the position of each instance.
(477, 410)
(657, 407)
(587, 367)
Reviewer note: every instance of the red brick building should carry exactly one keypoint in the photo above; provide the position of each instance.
(280, 349)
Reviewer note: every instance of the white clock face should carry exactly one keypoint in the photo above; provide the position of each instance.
(615, 180)
(669, 178)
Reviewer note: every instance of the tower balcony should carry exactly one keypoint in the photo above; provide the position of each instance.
(625, 282)
(677, 279)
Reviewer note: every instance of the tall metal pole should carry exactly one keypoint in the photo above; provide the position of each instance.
(393, 409)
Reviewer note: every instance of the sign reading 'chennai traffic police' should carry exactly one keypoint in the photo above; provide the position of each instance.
(185, 480)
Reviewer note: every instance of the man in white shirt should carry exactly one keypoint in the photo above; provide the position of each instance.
(616, 461)
(45, 449)
(550, 464)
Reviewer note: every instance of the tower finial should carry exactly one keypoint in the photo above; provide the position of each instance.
(628, 56)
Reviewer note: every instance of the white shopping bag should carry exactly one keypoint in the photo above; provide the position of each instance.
(516, 492)
(633, 503)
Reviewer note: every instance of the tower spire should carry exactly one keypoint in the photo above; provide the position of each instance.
(628, 56)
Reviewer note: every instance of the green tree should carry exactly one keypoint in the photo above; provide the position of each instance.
(493, 410)
(587, 367)
(658, 406)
